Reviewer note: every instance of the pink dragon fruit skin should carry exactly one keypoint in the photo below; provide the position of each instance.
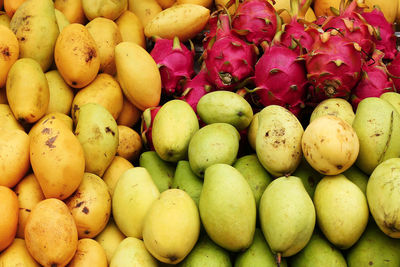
(374, 81)
(280, 78)
(333, 66)
(394, 69)
(196, 88)
(218, 24)
(256, 20)
(295, 33)
(148, 116)
(175, 62)
(385, 40)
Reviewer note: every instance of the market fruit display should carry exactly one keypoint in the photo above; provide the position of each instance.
(199, 133)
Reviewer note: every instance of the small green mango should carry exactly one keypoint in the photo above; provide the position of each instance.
(186, 180)
(309, 176)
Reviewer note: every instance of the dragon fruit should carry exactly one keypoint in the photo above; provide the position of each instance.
(394, 70)
(352, 25)
(280, 77)
(256, 20)
(218, 24)
(175, 62)
(228, 59)
(146, 127)
(296, 37)
(384, 37)
(333, 66)
(374, 81)
(196, 88)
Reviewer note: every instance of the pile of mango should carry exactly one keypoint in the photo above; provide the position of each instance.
(223, 187)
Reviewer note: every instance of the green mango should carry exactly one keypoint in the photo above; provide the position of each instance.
(383, 194)
(97, 131)
(227, 207)
(374, 249)
(162, 172)
(336, 107)
(393, 99)
(35, 25)
(186, 180)
(318, 252)
(378, 133)
(258, 254)
(207, 253)
(225, 106)
(309, 176)
(287, 215)
(62, 20)
(173, 127)
(214, 143)
(359, 178)
(255, 174)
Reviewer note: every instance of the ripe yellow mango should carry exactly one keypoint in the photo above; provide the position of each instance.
(146, 10)
(205, 3)
(138, 75)
(57, 158)
(130, 143)
(9, 51)
(76, 56)
(89, 253)
(50, 233)
(56, 115)
(17, 255)
(109, 9)
(110, 238)
(72, 9)
(9, 216)
(10, 6)
(4, 19)
(61, 95)
(117, 167)
(129, 115)
(7, 119)
(131, 28)
(132, 252)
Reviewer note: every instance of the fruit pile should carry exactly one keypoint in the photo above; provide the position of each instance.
(262, 133)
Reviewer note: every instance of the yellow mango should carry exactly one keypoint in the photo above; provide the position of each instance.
(110, 238)
(50, 233)
(220, 3)
(62, 20)
(130, 143)
(89, 253)
(29, 194)
(56, 115)
(205, 3)
(7, 119)
(27, 90)
(76, 56)
(72, 9)
(90, 205)
(10, 6)
(106, 35)
(388, 8)
(105, 91)
(323, 7)
(9, 51)
(131, 28)
(146, 10)
(9, 217)
(14, 156)
(109, 9)
(285, 5)
(117, 167)
(57, 158)
(17, 255)
(61, 95)
(166, 3)
(184, 21)
(132, 252)
(138, 75)
(4, 19)
(129, 115)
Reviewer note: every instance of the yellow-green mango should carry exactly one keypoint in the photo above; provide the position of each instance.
(138, 75)
(27, 90)
(227, 207)
(133, 195)
(393, 98)
(359, 178)
(61, 95)
(62, 20)
(171, 226)
(285, 198)
(117, 167)
(173, 128)
(17, 255)
(213, 143)
(97, 132)
(35, 25)
(342, 210)
(225, 106)
(308, 176)
(336, 107)
(278, 140)
(383, 196)
(132, 252)
(110, 238)
(109, 9)
(252, 131)
(187, 181)
(377, 131)
(9, 51)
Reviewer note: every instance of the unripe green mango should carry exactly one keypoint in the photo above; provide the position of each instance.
(214, 143)
(186, 180)
(225, 106)
(278, 140)
(308, 176)
(258, 254)
(227, 207)
(97, 132)
(359, 178)
(35, 25)
(287, 215)
(393, 99)
(173, 127)
(336, 107)
(252, 131)
(162, 172)
(318, 252)
(377, 125)
(383, 194)
(255, 174)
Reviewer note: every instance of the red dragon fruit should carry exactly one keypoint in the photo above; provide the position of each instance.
(394, 69)
(196, 88)
(146, 127)
(280, 77)
(384, 37)
(228, 59)
(256, 20)
(374, 81)
(218, 24)
(175, 62)
(333, 66)
(352, 25)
